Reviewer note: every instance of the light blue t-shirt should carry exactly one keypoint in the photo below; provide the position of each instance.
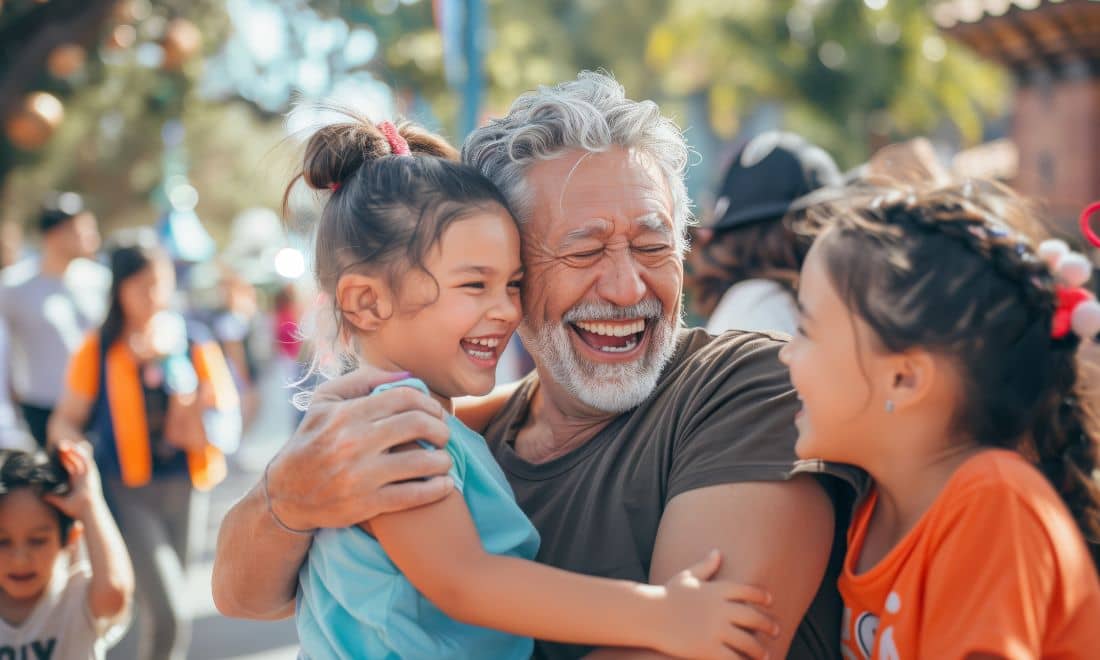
(353, 602)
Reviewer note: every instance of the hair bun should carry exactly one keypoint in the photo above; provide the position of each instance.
(336, 151)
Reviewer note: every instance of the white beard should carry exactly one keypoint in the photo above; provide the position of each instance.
(612, 388)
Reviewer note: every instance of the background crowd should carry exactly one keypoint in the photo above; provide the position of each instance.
(177, 340)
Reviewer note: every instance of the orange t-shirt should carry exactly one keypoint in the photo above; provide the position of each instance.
(996, 565)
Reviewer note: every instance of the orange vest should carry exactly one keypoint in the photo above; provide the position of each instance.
(126, 422)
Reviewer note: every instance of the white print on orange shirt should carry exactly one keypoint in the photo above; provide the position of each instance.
(858, 642)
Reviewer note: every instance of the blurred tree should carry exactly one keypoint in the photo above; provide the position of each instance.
(850, 75)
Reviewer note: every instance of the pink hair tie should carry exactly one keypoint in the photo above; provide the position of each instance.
(398, 145)
(334, 186)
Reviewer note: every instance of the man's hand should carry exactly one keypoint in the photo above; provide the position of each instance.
(338, 468)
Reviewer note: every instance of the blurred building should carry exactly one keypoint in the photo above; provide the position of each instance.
(1052, 48)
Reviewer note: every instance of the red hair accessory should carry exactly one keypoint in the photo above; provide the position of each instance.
(1086, 228)
(398, 145)
(1077, 309)
(334, 186)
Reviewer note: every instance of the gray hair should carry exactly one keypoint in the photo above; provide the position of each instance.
(590, 113)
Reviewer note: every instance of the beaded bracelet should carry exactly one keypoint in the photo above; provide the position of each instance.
(282, 525)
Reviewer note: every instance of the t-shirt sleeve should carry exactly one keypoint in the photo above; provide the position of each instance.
(737, 421)
(106, 629)
(82, 376)
(453, 447)
(989, 580)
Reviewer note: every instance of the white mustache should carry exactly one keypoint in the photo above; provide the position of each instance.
(647, 309)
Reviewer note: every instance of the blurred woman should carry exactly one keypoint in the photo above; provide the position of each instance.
(157, 402)
(745, 261)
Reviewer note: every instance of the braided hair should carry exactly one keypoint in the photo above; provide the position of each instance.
(950, 270)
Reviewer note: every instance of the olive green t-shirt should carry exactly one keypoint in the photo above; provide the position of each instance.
(722, 412)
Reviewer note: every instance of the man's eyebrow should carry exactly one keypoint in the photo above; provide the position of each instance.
(654, 222)
(590, 230)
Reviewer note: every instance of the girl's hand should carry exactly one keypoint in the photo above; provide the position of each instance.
(85, 490)
(713, 619)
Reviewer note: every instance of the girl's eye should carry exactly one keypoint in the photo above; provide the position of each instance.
(473, 285)
(515, 284)
(39, 542)
(802, 331)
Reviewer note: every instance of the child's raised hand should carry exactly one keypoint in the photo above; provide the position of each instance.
(714, 619)
(84, 485)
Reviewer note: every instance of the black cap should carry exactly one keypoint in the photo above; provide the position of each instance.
(769, 177)
(59, 210)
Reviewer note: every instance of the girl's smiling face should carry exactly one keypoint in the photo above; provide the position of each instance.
(450, 328)
(835, 367)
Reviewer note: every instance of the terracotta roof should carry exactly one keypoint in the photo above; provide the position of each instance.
(952, 12)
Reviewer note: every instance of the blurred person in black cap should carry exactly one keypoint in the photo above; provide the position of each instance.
(48, 305)
(745, 260)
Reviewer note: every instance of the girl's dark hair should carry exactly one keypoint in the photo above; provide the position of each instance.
(769, 250)
(132, 252)
(385, 212)
(41, 473)
(949, 270)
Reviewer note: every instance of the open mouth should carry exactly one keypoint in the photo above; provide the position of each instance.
(483, 349)
(611, 337)
(22, 577)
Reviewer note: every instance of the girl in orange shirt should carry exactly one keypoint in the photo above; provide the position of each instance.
(937, 351)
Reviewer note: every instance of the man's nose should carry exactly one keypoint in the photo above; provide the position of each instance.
(621, 282)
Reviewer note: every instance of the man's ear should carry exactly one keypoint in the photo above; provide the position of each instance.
(365, 301)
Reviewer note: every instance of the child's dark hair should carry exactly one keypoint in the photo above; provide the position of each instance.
(949, 270)
(769, 250)
(385, 211)
(41, 473)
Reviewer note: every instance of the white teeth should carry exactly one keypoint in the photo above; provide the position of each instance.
(481, 355)
(491, 342)
(612, 330)
(620, 349)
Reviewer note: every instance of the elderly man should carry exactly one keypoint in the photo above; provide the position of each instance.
(635, 447)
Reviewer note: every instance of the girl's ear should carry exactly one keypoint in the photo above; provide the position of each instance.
(364, 301)
(914, 375)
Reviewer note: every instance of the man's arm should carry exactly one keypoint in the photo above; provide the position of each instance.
(335, 471)
(775, 535)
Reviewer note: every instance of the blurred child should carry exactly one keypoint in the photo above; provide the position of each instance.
(420, 259)
(937, 351)
(51, 605)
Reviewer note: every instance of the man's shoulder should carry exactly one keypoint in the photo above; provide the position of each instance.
(19, 274)
(731, 354)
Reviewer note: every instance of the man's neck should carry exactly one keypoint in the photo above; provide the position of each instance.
(54, 264)
(557, 423)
